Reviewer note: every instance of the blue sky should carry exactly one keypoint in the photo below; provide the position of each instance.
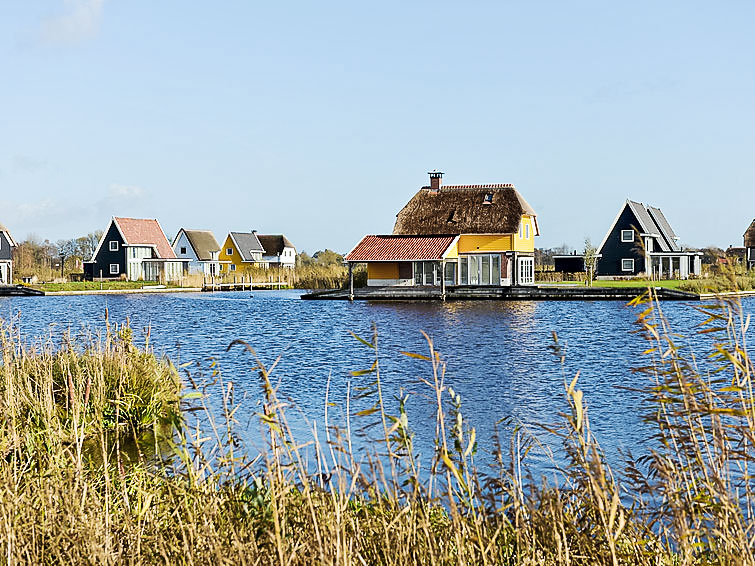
(321, 119)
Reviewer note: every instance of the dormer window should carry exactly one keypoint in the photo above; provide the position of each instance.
(488, 198)
(451, 216)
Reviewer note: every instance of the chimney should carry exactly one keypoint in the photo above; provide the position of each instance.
(436, 180)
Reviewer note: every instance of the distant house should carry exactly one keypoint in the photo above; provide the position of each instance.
(7, 245)
(455, 235)
(750, 245)
(641, 242)
(241, 250)
(137, 249)
(279, 251)
(201, 249)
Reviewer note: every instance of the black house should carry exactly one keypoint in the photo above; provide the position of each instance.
(641, 242)
(750, 246)
(7, 245)
(134, 248)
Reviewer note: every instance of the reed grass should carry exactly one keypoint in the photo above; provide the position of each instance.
(315, 499)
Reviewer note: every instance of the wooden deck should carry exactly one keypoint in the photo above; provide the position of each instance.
(18, 291)
(534, 293)
(243, 286)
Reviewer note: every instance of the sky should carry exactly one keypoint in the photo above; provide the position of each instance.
(320, 120)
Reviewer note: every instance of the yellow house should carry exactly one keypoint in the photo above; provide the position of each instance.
(241, 250)
(489, 233)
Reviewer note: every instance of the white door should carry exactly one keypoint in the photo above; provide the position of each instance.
(526, 271)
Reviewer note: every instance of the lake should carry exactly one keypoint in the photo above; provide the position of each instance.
(497, 353)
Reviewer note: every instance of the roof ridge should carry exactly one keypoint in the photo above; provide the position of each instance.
(479, 186)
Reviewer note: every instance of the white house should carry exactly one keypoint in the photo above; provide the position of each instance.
(201, 249)
(279, 251)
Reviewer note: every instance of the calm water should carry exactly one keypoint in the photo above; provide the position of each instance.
(497, 352)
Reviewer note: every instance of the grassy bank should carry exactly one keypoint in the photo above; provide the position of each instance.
(687, 501)
(93, 285)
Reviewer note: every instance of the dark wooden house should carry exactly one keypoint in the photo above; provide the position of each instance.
(641, 242)
(137, 249)
(7, 245)
(750, 245)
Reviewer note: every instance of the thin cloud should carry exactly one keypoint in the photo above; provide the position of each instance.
(79, 22)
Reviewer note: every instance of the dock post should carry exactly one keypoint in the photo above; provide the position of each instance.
(443, 280)
(351, 281)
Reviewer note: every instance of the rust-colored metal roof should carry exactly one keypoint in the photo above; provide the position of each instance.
(400, 248)
(145, 232)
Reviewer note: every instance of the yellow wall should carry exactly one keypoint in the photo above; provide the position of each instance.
(382, 270)
(453, 253)
(487, 243)
(525, 244)
(481, 243)
(234, 258)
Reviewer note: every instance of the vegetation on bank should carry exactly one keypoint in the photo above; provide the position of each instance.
(313, 499)
(94, 285)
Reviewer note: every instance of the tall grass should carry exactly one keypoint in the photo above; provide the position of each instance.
(315, 499)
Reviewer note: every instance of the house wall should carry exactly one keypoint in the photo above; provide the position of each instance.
(382, 270)
(194, 266)
(6, 252)
(482, 243)
(525, 242)
(105, 257)
(614, 250)
(234, 257)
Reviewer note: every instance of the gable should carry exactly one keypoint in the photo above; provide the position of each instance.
(749, 236)
(182, 243)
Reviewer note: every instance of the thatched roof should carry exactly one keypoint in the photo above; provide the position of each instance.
(750, 236)
(274, 244)
(463, 209)
(203, 242)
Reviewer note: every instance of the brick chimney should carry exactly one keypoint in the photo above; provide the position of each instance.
(436, 180)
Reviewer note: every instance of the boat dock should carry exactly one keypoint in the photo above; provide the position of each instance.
(18, 291)
(533, 293)
(243, 285)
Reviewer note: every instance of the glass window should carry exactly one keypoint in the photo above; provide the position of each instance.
(527, 231)
(627, 235)
(429, 272)
(233, 267)
(113, 246)
(464, 276)
(450, 273)
(485, 270)
(418, 273)
(495, 270)
(229, 251)
(627, 265)
(526, 271)
(520, 228)
(114, 268)
(183, 250)
(474, 270)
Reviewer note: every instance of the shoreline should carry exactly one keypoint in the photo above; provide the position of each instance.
(123, 291)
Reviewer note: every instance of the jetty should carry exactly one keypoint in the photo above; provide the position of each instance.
(18, 291)
(470, 293)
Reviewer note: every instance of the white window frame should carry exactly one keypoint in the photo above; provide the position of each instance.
(527, 231)
(630, 237)
(526, 274)
(113, 245)
(229, 251)
(115, 269)
(627, 259)
(233, 267)
(521, 229)
(183, 250)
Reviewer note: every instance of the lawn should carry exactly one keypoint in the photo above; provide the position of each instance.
(668, 284)
(93, 285)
